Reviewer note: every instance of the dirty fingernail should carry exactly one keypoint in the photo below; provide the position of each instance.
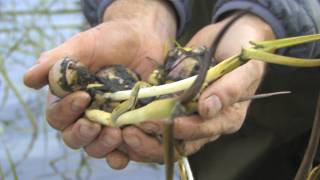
(133, 141)
(212, 106)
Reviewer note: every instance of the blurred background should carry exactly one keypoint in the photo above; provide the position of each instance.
(29, 148)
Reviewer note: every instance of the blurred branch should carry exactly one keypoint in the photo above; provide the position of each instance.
(4, 97)
(55, 169)
(28, 28)
(26, 108)
(83, 165)
(11, 163)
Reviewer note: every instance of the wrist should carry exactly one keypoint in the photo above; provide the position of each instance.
(155, 15)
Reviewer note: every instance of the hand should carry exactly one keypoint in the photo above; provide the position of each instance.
(219, 109)
(130, 34)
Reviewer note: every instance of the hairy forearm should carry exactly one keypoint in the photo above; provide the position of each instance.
(154, 14)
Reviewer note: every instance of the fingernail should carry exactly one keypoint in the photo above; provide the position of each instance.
(212, 106)
(79, 105)
(133, 141)
(151, 128)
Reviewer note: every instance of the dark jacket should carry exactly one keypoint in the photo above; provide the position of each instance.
(271, 142)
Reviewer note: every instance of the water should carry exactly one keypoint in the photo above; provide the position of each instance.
(22, 38)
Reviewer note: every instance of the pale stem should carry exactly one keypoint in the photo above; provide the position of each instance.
(213, 74)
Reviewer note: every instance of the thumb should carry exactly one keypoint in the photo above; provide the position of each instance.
(241, 82)
(78, 47)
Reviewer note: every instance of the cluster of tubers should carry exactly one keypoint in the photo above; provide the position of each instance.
(113, 86)
(119, 97)
(69, 75)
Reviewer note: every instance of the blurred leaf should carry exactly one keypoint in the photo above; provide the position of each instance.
(4, 97)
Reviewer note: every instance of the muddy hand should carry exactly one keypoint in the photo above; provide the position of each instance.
(219, 111)
(129, 40)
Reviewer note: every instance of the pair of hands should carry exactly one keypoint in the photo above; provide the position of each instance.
(130, 42)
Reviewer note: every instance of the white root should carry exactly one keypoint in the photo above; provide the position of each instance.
(153, 90)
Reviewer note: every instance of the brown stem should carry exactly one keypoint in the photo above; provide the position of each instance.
(313, 144)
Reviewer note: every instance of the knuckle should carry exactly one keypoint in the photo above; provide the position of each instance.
(257, 68)
(83, 42)
(87, 130)
(234, 123)
(233, 93)
(147, 153)
(108, 141)
(54, 121)
(104, 144)
(179, 131)
(195, 133)
(59, 115)
(206, 131)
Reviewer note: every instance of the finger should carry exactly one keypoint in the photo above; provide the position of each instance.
(241, 82)
(108, 140)
(229, 120)
(141, 147)
(63, 112)
(79, 47)
(103, 45)
(80, 133)
(117, 160)
(219, 95)
(152, 149)
(187, 128)
(182, 127)
(192, 128)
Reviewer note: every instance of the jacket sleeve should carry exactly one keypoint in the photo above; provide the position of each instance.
(286, 17)
(94, 10)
